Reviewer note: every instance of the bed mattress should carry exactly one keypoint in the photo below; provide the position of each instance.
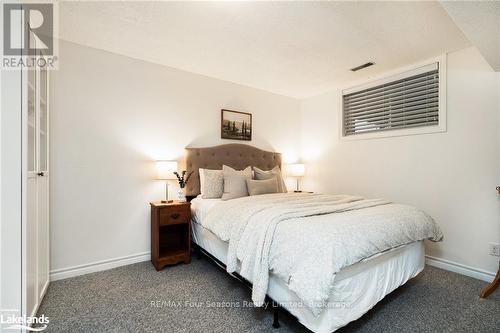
(357, 288)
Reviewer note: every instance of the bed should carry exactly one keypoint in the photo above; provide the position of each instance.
(356, 288)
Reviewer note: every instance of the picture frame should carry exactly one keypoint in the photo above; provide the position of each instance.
(236, 125)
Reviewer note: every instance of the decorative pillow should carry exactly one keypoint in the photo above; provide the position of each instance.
(211, 183)
(274, 173)
(256, 187)
(235, 185)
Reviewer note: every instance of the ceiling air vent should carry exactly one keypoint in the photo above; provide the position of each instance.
(368, 64)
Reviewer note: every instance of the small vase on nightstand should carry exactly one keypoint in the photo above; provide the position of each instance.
(183, 179)
(181, 196)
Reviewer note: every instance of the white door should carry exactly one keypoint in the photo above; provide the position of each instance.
(43, 184)
(37, 219)
(31, 195)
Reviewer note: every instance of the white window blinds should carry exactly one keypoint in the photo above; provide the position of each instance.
(411, 100)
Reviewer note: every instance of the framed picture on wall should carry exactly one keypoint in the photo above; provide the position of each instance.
(236, 125)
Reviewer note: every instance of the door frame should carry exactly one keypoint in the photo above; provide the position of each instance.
(12, 179)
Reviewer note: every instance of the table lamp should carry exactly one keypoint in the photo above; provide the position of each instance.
(296, 170)
(165, 171)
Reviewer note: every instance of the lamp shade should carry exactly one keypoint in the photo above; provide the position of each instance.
(295, 170)
(166, 169)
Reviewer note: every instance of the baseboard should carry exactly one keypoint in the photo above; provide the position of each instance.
(42, 295)
(459, 268)
(44, 290)
(65, 273)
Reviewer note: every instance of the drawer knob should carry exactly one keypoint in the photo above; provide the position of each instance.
(175, 216)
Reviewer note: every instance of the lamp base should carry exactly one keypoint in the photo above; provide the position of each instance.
(166, 194)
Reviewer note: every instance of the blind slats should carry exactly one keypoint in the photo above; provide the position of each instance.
(404, 103)
(394, 116)
(392, 122)
(401, 99)
(395, 106)
(406, 126)
(398, 124)
(389, 85)
(409, 90)
(388, 89)
(401, 109)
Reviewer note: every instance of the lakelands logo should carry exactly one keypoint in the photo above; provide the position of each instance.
(29, 35)
(13, 322)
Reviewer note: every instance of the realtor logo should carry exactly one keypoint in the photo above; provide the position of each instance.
(40, 18)
(29, 35)
(11, 320)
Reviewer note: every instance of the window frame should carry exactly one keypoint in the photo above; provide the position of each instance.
(392, 76)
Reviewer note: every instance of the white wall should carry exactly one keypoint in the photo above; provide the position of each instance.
(111, 116)
(451, 175)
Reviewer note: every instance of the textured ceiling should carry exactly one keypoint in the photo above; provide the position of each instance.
(480, 22)
(296, 49)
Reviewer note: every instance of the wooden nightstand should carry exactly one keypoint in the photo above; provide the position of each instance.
(170, 233)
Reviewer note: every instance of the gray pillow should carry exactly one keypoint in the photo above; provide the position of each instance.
(256, 187)
(274, 173)
(235, 182)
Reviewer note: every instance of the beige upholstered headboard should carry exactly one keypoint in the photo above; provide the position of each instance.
(235, 155)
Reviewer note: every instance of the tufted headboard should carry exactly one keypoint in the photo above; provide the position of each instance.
(235, 155)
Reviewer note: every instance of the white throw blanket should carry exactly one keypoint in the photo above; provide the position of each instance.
(322, 235)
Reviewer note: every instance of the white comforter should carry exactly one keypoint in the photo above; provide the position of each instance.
(306, 239)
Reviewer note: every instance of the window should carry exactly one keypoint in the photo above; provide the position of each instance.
(407, 103)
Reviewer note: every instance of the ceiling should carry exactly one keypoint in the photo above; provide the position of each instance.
(480, 22)
(297, 49)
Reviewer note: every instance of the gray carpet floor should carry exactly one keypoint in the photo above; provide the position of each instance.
(136, 298)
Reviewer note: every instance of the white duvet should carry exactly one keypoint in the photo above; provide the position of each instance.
(305, 239)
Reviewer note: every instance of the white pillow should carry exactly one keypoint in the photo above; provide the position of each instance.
(211, 183)
(235, 182)
(274, 173)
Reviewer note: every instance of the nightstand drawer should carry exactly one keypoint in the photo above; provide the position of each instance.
(175, 215)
